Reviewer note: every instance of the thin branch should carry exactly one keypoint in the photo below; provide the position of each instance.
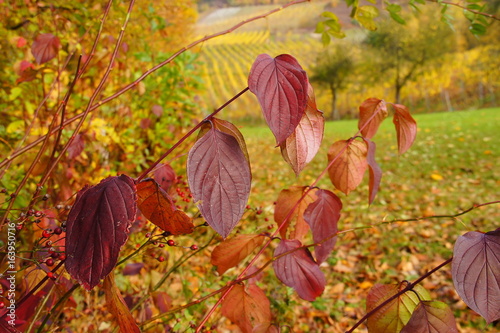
(492, 16)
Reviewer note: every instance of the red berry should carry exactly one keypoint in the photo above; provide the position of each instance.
(148, 235)
(45, 234)
(58, 231)
(161, 259)
(51, 275)
(38, 213)
(19, 227)
(54, 255)
(170, 242)
(258, 212)
(49, 262)
(266, 219)
(248, 207)
(161, 245)
(62, 256)
(194, 247)
(2, 305)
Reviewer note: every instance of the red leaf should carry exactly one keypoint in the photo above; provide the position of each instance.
(303, 144)
(347, 171)
(157, 110)
(97, 227)
(21, 42)
(164, 176)
(232, 251)
(281, 86)
(371, 114)
(162, 301)
(26, 72)
(375, 170)
(393, 316)
(116, 305)
(299, 270)
(322, 216)
(45, 48)
(431, 317)
(76, 147)
(406, 127)
(228, 128)
(476, 272)
(219, 178)
(158, 207)
(286, 201)
(248, 307)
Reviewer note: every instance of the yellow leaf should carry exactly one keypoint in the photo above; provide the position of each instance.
(436, 176)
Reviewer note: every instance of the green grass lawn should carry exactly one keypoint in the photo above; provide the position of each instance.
(453, 165)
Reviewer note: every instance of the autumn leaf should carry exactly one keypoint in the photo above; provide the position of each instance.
(295, 227)
(116, 305)
(475, 270)
(248, 307)
(406, 127)
(346, 173)
(393, 316)
(431, 317)
(371, 114)
(281, 86)
(374, 169)
(159, 208)
(165, 176)
(97, 227)
(45, 48)
(322, 216)
(303, 144)
(219, 178)
(76, 147)
(232, 251)
(299, 270)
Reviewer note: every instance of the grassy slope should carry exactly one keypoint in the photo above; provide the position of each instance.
(452, 165)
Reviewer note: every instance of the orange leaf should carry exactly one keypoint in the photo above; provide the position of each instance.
(249, 308)
(117, 306)
(406, 127)
(374, 169)
(348, 169)
(232, 251)
(303, 144)
(158, 207)
(371, 114)
(286, 201)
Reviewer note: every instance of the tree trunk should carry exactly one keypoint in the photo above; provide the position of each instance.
(335, 111)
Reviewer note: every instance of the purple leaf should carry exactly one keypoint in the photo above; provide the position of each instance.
(97, 227)
(431, 317)
(476, 272)
(322, 216)
(299, 270)
(374, 168)
(164, 176)
(219, 178)
(133, 268)
(281, 86)
(45, 48)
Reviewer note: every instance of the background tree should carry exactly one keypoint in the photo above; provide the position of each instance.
(333, 70)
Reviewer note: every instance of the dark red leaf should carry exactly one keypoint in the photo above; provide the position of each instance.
(97, 227)
(162, 300)
(374, 168)
(476, 272)
(76, 147)
(295, 227)
(322, 216)
(392, 317)
(45, 48)
(431, 317)
(371, 114)
(248, 307)
(116, 305)
(406, 127)
(159, 208)
(299, 270)
(26, 72)
(348, 169)
(165, 176)
(232, 251)
(303, 144)
(219, 178)
(281, 86)
(6, 327)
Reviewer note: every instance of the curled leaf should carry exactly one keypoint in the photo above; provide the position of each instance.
(475, 270)
(303, 144)
(406, 127)
(371, 114)
(374, 169)
(346, 173)
(322, 216)
(116, 305)
(281, 86)
(299, 270)
(159, 208)
(97, 227)
(232, 251)
(219, 178)
(248, 307)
